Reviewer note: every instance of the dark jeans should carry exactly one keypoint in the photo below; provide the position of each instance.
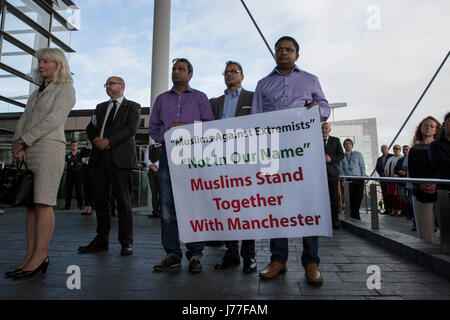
(247, 249)
(280, 251)
(169, 227)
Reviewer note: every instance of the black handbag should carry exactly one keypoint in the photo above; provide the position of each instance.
(17, 185)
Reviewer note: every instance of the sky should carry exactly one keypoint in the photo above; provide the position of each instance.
(377, 56)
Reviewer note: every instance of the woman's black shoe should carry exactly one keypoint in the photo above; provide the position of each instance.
(9, 274)
(27, 274)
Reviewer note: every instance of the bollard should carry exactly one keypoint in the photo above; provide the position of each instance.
(347, 198)
(374, 207)
(444, 223)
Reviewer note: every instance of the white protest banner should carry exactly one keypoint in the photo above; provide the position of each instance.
(253, 177)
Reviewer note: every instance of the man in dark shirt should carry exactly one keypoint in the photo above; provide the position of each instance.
(73, 176)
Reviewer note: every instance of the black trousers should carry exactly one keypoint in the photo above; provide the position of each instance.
(73, 178)
(86, 179)
(247, 249)
(356, 196)
(153, 180)
(385, 197)
(334, 199)
(108, 178)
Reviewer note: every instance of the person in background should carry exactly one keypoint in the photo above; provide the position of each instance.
(381, 162)
(419, 166)
(439, 154)
(86, 178)
(353, 165)
(40, 141)
(394, 201)
(333, 156)
(73, 176)
(403, 192)
(151, 159)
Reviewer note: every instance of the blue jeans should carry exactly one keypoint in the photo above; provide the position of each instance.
(279, 249)
(169, 227)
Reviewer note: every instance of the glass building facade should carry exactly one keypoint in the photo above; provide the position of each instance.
(25, 27)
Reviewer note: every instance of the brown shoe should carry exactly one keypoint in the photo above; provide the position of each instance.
(313, 274)
(272, 270)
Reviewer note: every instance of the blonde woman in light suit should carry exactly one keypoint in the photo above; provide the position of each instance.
(40, 141)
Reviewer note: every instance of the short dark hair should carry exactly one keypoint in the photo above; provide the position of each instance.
(447, 116)
(348, 140)
(189, 64)
(73, 141)
(236, 63)
(297, 47)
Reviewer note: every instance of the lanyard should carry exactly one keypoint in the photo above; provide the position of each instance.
(349, 161)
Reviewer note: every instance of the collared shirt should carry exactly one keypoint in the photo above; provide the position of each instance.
(170, 107)
(230, 104)
(352, 165)
(110, 106)
(277, 91)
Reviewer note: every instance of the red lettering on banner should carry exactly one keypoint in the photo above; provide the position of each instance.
(272, 222)
(255, 202)
(277, 178)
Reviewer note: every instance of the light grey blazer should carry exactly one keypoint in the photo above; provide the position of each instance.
(41, 126)
(46, 113)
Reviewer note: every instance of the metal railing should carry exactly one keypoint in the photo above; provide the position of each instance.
(443, 202)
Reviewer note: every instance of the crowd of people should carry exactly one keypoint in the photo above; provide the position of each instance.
(40, 139)
(427, 158)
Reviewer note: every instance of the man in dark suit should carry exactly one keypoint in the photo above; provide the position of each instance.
(112, 131)
(333, 156)
(235, 102)
(381, 162)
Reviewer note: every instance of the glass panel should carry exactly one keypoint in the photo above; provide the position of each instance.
(16, 58)
(34, 12)
(21, 31)
(9, 108)
(15, 88)
(61, 32)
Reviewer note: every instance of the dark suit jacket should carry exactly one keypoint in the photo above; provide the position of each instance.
(334, 150)
(380, 167)
(244, 105)
(122, 142)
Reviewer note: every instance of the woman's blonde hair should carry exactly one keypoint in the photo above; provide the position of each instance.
(62, 73)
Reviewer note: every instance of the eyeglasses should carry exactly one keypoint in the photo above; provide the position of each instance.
(397, 148)
(110, 83)
(232, 71)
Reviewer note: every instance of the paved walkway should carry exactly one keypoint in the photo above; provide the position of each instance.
(107, 275)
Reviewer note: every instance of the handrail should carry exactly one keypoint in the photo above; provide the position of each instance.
(442, 202)
(401, 180)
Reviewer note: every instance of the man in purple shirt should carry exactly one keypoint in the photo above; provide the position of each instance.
(179, 106)
(289, 87)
